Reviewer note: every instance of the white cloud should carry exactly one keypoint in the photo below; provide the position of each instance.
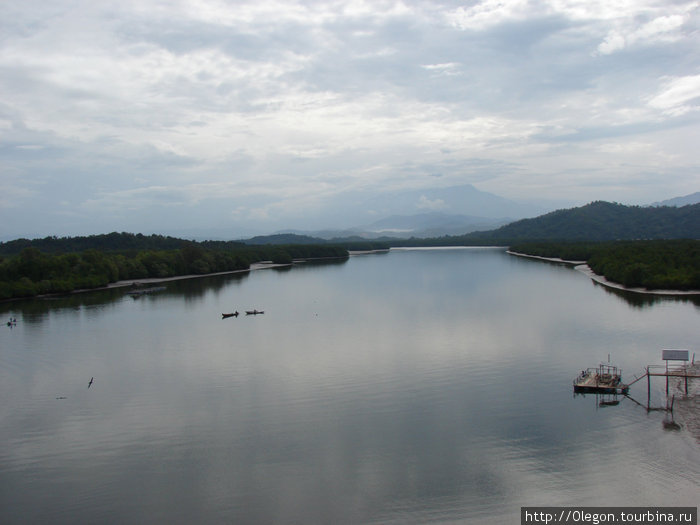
(487, 13)
(660, 29)
(678, 95)
(446, 69)
(436, 204)
(613, 42)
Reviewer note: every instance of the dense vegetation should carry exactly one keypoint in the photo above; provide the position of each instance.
(110, 242)
(656, 264)
(349, 243)
(600, 221)
(33, 272)
(569, 251)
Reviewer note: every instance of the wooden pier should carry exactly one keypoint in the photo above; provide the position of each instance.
(685, 371)
(607, 379)
(654, 371)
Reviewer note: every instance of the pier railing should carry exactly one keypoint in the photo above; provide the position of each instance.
(684, 371)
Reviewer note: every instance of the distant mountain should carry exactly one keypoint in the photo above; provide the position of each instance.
(356, 212)
(596, 221)
(464, 199)
(693, 198)
(420, 225)
(599, 221)
(433, 224)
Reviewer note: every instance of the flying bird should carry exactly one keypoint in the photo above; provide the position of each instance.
(90, 383)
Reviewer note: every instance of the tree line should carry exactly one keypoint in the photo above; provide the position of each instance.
(107, 242)
(33, 272)
(655, 264)
(130, 242)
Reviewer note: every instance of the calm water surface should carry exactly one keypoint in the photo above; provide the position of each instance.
(414, 386)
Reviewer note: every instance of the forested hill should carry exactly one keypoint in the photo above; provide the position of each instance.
(105, 242)
(109, 242)
(602, 221)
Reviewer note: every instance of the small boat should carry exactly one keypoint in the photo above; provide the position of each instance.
(254, 312)
(605, 379)
(226, 316)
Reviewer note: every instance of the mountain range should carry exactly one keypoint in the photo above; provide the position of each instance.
(693, 198)
(455, 210)
(426, 212)
(597, 221)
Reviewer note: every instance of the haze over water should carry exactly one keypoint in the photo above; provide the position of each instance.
(414, 386)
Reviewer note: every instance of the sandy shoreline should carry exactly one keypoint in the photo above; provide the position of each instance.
(550, 259)
(352, 253)
(582, 267)
(158, 280)
(687, 407)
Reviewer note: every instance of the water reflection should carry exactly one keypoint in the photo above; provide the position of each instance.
(33, 310)
(195, 290)
(643, 300)
(191, 290)
(416, 386)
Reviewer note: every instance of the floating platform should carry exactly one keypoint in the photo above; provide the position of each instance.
(605, 379)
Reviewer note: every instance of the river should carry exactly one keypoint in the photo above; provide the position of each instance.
(419, 385)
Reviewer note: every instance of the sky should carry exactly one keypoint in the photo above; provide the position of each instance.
(191, 116)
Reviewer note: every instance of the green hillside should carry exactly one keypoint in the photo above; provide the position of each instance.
(601, 221)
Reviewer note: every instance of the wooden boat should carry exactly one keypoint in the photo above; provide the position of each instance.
(254, 312)
(226, 316)
(605, 379)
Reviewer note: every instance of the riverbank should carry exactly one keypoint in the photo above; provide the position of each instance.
(585, 269)
(582, 267)
(353, 253)
(549, 259)
(687, 406)
(263, 265)
(136, 283)
(147, 281)
(158, 280)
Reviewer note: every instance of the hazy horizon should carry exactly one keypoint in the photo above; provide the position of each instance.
(255, 117)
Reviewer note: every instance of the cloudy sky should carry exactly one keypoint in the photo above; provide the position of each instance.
(165, 115)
